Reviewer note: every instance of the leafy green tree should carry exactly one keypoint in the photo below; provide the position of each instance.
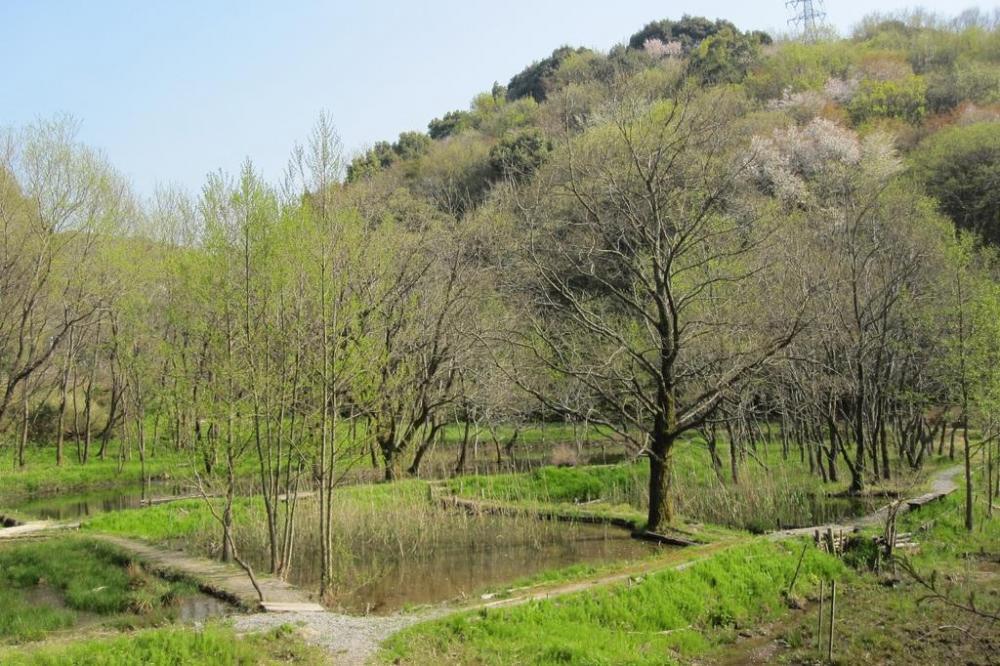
(534, 80)
(904, 99)
(638, 258)
(960, 167)
(690, 31)
(378, 157)
(411, 145)
(518, 154)
(725, 57)
(450, 123)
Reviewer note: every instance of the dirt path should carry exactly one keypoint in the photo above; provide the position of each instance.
(218, 578)
(942, 484)
(34, 528)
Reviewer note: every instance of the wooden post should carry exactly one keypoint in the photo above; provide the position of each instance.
(833, 617)
(819, 622)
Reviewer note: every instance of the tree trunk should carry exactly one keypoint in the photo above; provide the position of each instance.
(661, 508)
(25, 422)
(460, 463)
(968, 473)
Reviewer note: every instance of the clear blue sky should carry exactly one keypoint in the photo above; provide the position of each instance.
(173, 89)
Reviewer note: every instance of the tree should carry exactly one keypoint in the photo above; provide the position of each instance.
(725, 57)
(534, 79)
(877, 247)
(639, 253)
(453, 122)
(690, 31)
(518, 154)
(960, 167)
(58, 201)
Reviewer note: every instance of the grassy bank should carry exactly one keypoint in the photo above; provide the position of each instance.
(59, 583)
(663, 618)
(41, 475)
(208, 646)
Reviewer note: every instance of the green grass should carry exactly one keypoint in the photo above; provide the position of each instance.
(86, 577)
(668, 616)
(162, 522)
(172, 646)
(186, 518)
(22, 621)
(41, 475)
(939, 527)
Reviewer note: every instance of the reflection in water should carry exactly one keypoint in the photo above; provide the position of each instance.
(456, 574)
(69, 507)
(200, 607)
(379, 582)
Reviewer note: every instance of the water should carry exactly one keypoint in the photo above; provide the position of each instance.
(458, 574)
(379, 581)
(76, 506)
(200, 607)
(190, 608)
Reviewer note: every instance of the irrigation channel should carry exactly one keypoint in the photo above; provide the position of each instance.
(449, 576)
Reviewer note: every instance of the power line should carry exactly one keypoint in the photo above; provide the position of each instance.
(808, 17)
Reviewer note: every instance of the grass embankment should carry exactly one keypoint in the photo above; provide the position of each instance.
(665, 617)
(184, 519)
(57, 583)
(385, 530)
(169, 646)
(41, 475)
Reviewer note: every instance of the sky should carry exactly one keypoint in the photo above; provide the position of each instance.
(173, 90)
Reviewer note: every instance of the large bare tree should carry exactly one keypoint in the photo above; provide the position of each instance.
(650, 266)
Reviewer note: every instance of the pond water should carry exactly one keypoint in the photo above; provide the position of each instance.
(500, 551)
(81, 505)
(456, 574)
(816, 509)
(192, 607)
(380, 584)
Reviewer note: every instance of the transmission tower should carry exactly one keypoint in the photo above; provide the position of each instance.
(808, 17)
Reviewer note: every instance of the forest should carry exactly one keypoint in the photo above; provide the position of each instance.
(639, 358)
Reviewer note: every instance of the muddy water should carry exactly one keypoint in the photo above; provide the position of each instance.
(375, 583)
(455, 574)
(200, 607)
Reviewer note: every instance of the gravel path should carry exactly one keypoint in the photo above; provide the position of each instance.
(350, 639)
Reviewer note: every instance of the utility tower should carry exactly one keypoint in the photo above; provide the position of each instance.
(808, 17)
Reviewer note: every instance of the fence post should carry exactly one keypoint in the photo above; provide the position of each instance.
(819, 622)
(833, 617)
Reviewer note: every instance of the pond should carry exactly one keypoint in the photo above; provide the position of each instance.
(493, 553)
(456, 574)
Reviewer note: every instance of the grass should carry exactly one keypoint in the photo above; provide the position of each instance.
(21, 620)
(944, 539)
(49, 585)
(41, 475)
(662, 618)
(901, 623)
(170, 646)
